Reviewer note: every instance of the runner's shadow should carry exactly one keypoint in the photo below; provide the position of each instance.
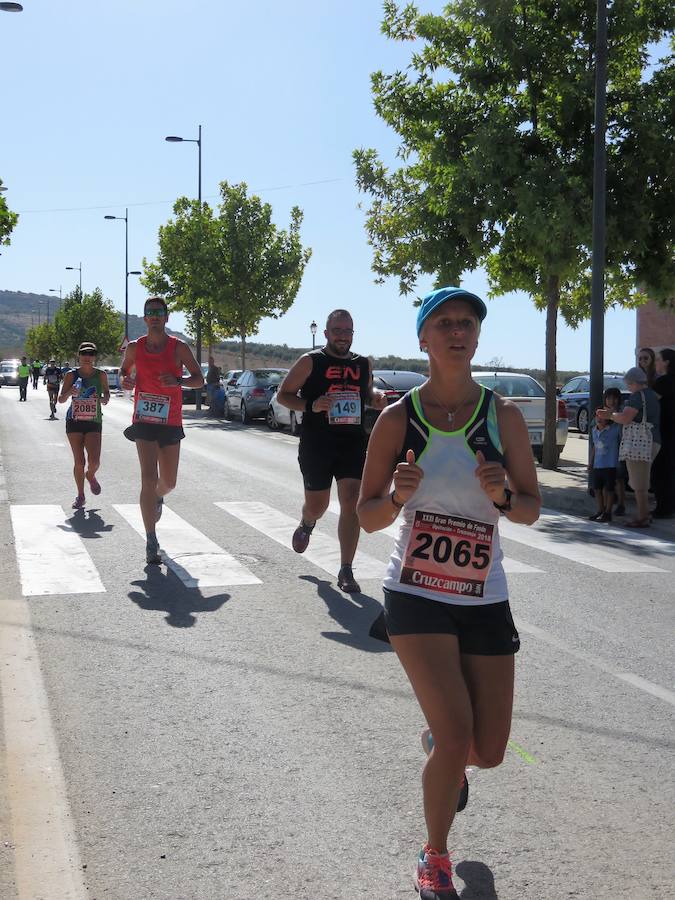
(479, 881)
(87, 523)
(353, 612)
(164, 592)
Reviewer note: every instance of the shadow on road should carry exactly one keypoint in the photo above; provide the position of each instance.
(479, 881)
(87, 523)
(353, 612)
(164, 592)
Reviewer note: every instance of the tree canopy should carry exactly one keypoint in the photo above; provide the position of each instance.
(8, 220)
(233, 267)
(495, 118)
(87, 317)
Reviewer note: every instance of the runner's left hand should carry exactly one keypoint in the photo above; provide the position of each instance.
(169, 379)
(492, 477)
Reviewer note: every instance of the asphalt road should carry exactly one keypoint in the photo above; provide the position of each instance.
(249, 740)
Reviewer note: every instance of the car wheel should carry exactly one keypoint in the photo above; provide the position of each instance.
(243, 414)
(295, 428)
(582, 420)
(271, 419)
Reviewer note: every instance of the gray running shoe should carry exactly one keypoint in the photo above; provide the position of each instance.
(346, 581)
(152, 553)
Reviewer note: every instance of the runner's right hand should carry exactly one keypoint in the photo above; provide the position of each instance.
(407, 477)
(128, 383)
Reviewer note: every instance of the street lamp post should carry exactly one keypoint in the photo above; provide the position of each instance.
(11, 7)
(53, 291)
(313, 328)
(77, 269)
(127, 273)
(175, 139)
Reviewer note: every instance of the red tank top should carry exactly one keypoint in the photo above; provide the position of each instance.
(149, 366)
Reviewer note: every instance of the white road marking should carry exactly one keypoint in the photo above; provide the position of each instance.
(656, 690)
(622, 538)
(552, 533)
(195, 558)
(323, 551)
(511, 566)
(51, 555)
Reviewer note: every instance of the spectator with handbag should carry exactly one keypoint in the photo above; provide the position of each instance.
(641, 438)
(663, 470)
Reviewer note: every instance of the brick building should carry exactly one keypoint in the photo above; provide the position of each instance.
(655, 327)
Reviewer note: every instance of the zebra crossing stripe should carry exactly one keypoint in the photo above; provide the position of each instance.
(51, 554)
(511, 566)
(323, 551)
(193, 557)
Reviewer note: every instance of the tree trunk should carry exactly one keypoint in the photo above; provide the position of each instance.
(550, 459)
(242, 336)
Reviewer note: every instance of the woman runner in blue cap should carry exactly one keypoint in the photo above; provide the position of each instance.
(457, 457)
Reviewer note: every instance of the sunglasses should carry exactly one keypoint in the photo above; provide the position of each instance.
(87, 353)
(155, 313)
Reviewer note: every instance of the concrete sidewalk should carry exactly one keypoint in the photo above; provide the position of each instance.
(566, 488)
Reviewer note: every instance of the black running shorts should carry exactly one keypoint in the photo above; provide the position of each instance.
(163, 435)
(74, 427)
(324, 457)
(486, 630)
(604, 479)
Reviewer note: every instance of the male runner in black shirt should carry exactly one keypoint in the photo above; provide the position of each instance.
(331, 387)
(52, 379)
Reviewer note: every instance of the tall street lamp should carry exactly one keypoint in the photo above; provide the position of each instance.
(175, 139)
(76, 269)
(11, 7)
(53, 291)
(312, 328)
(127, 273)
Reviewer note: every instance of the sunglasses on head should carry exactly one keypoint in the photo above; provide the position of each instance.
(155, 313)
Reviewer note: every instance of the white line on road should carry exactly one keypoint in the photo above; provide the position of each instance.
(323, 551)
(51, 554)
(195, 558)
(656, 690)
(511, 566)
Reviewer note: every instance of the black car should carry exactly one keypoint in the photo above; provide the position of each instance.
(576, 394)
(395, 383)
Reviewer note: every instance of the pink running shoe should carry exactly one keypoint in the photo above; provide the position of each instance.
(78, 502)
(95, 486)
(433, 878)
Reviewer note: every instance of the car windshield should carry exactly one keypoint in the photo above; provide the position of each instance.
(266, 377)
(511, 385)
(615, 381)
(8, 369)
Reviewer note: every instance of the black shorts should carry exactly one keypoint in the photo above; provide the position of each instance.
(486, 630)
(163, 435)
(74, 427)
(324, 457)
(604, 479)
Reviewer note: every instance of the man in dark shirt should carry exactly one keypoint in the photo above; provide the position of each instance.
(212, 382)
(330, 387)
(52, 379)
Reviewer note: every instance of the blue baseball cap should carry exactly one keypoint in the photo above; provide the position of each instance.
(433, 300)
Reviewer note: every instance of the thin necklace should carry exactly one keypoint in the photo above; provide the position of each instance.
(450, 413)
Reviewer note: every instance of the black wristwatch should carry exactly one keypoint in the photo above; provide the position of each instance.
(506, 505)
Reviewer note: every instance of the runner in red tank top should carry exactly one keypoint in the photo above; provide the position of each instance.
(157, 424)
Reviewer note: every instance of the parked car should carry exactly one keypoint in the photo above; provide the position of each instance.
(279, 416)
(9, 373)
(113, 373)
(230, 378)
(395, 383)
(530, 397)
(190, 394)
(576, 394)
(249, 398)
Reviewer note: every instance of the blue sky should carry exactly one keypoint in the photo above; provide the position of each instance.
(282, 91)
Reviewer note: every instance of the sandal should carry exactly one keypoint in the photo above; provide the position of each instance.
(638, 523)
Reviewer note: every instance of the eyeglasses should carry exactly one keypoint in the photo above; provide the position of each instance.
(155, 313)
(347, 332)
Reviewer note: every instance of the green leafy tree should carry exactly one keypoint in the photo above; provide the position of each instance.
(41, 342)
(89, 317)
(495, 116)
(233, 267)
(8, 220)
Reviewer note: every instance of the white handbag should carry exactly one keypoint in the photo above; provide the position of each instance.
(637, 439)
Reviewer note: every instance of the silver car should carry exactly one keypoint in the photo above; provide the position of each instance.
(250, 397)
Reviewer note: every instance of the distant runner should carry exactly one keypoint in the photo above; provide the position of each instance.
(52, 379)
(87, 388)
(35, 371)
(331, 387)
(157, 422)
(457, 457)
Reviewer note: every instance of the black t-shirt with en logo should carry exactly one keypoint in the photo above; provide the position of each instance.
(334, 374)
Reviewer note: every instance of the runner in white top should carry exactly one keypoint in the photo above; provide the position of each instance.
(458, 456)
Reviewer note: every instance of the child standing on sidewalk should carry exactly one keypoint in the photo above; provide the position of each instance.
(604, 462)
(612, 401)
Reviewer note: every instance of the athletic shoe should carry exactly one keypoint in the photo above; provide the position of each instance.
(463, 797)
(152, 554)
(595, 516)
(52, 416)
(78, 502)
(95, 486)
(301, 536)
(605, 517)
(159, 509)
(620, 510)
(346, 581)
(433, 877)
